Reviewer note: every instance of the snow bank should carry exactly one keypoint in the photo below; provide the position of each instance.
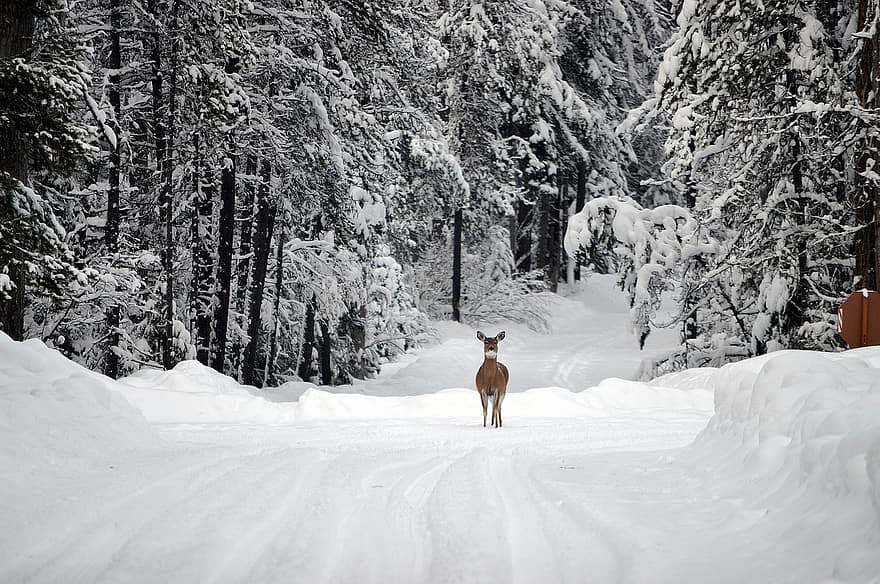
(810, 419)
(611, 396)
(52, 410)
(700, 378)
(620, 394)
(193, 393)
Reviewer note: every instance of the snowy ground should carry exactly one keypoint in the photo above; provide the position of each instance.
(186, 477)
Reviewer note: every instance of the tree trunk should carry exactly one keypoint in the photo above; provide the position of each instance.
(542, 251)
(224, 259)
(523, 250)
(168, 195)
(456, 266)
(797, 209)
(796, 310)
(111, 233)
(358, 335)
(226, 233)
(203, 288)
(17, 22)
(161, 154)
(512, 229)
(246, 219)
(867, 239)
(580, 201)
(326, 354)
(555, 234)
(265, 223)
(194, 239)
(279, 279)
(305, 363)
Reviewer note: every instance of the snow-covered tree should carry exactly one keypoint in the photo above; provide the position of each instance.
(764, 126)
(44, 133)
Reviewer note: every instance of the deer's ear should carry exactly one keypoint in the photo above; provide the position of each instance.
(481, 336)
(500, 336)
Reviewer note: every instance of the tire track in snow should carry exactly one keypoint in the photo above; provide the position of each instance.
(292, 541)
(59, 559)
(469, 530)
(532, 555)
(398, 493)
(312, 548)
(587, 544)
(583, 352)
(385, 537)
(334, 528)
(200, 525)
(281, 544)
(265, 520)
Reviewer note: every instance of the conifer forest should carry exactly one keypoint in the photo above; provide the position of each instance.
(287, 189)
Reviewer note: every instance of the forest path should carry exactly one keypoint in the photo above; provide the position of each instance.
(597, 486)
(397, 501)
(590, 340)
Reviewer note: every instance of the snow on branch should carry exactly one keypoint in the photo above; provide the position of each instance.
(653, 244)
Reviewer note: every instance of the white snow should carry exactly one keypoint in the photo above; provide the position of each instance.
(766, 470)
(53, 411)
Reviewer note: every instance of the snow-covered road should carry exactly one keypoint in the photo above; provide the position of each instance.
(399, 501)
(187, 477)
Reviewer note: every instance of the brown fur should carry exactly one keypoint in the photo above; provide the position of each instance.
(492, 377)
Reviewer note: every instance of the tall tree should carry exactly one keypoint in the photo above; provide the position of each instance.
(202, 237)
(456, 266)
(514, 116)
(111, 366)
(167, 198)
(224, 257)
(867, 242)
(764, 122)
(262, 249)
(44, 135)
(17, 21)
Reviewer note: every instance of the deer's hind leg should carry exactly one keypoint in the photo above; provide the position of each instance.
(496, 411)
(496, 414)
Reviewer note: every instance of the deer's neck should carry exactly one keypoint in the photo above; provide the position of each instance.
(490, 361)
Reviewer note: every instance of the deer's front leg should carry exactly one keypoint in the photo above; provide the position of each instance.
(497, 410)
(484, 398)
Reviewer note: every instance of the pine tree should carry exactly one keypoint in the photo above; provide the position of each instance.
(111, 233)
(43, 135)
(755, 92)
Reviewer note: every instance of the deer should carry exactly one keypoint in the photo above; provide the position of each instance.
(492, 377)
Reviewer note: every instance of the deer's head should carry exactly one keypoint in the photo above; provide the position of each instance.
(490, 344)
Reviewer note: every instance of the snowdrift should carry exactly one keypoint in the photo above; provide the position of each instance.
(610, 396)
(193, 393)
(52, 406)
(52, 410)
(811, 420)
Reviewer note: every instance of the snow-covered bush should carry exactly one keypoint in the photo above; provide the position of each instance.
(655, 247)
(395, 323)
(75, 322)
